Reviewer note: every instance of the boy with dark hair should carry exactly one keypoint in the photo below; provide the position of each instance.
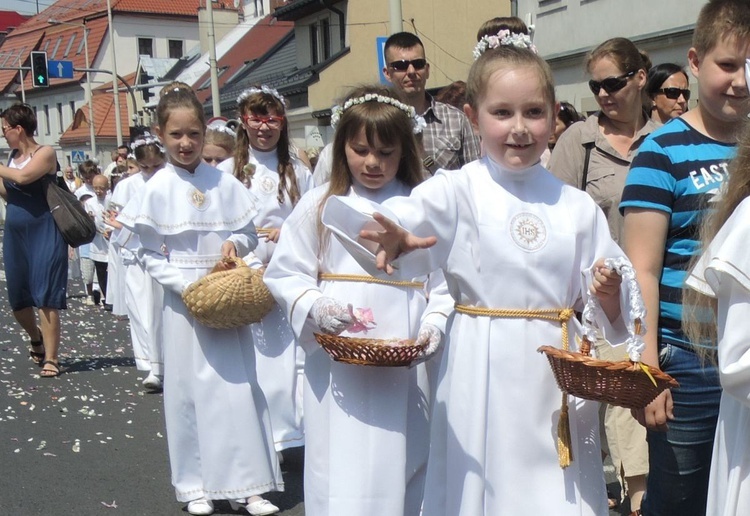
(677, 171)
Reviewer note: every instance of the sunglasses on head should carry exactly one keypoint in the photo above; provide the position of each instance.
(674, 93)
(610, 84)
(403, 64)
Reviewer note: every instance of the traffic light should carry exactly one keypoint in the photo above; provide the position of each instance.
(39, 74)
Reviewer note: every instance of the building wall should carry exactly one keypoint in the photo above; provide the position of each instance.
(565, 30)
(447, 29)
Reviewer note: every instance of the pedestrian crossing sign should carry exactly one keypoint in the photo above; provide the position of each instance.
(77, 156)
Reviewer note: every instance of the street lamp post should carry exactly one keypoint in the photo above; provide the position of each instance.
(115, 86)
(92, 132)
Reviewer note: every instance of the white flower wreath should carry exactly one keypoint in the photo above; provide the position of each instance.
(418, 121)
(504, 37)
(220, 126)
(263, 89)
(147, 139)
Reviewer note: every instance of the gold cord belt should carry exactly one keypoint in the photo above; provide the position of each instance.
(369, 279)
(561, 315)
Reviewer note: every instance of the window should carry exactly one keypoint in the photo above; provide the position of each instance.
(70, 44)
(80, 46)
(72, 110)
(320, 41)
(57, 45)
(175, 48)
(61, 125)
(46, 119)
(547, 6)
(314, 43)
(146, 47)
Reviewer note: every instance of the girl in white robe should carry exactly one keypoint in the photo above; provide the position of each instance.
(189, 217)
(721, 282)
(278, 179)
(366, 428)
(509, 236)
(143, 296)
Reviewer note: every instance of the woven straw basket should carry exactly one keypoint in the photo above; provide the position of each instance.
(623, 384)
(229, 298)
(369, 352)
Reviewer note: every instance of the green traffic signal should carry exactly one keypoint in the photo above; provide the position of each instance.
(39, 73)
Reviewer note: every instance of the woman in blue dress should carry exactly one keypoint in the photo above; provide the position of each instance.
(35, 254)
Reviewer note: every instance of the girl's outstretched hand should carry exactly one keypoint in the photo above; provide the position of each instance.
(393, 241)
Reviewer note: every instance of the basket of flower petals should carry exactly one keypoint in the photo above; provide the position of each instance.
(628, 383)
(230, 296)
(394, 352)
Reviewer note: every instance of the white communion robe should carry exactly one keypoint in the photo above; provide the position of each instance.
(142, 296)
(505, 240)
(366, 428)
(279, 361)
(723, 272)
(218, 429)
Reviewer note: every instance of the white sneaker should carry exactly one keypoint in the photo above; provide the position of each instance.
(89, 301)
(201, 507)
(152, 382)
(258, 507)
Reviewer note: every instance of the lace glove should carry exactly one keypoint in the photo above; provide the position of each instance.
(331, 316)
(432, 336)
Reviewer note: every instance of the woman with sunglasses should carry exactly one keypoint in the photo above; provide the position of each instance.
(667, 86)
(595, 155)
(35, 254)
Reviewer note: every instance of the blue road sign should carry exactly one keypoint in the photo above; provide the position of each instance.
(60, 69)
(380, 43)
(77, 156)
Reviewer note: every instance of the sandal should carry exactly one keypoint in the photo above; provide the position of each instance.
(36, 356)
(50, 373)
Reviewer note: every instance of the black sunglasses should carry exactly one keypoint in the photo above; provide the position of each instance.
(674, 93)
(403, 64)
(610, 84)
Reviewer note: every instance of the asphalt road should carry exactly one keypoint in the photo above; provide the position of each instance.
(90, 442)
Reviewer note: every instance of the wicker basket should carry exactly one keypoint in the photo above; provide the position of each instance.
(369, 352)
(623, 384)
(229, 298)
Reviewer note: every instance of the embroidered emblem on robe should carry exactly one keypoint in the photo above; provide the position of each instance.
(528, 232)
(267, 185)
(198, 199)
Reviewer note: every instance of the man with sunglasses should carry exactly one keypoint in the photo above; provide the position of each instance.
(449, 141)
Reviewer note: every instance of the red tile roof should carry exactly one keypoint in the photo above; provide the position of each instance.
(258, 40)
(11, 20)
(104, 120)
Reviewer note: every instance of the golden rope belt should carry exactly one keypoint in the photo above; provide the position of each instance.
(562, 315)
(369, 279)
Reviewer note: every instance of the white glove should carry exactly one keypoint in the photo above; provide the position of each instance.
(331, 316)
(430, 335)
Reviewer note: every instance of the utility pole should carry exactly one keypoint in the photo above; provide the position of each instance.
(397, 24)
(115, 86)
(212, 60)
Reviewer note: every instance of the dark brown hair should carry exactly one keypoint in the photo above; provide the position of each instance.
(20, 115)
(512, 23)
(259, 104)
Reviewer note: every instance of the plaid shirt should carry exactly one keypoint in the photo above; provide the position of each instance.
(448, 139)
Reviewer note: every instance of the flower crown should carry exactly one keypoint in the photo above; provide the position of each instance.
(418, 121)
(263, 89)
(147, 139)
(222, 128)
(504, 37)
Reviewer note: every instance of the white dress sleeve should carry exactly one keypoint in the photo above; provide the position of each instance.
(734, 346)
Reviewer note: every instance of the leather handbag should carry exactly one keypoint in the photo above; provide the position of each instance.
(75, 225)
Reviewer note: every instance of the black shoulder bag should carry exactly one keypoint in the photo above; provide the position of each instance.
(589, 146)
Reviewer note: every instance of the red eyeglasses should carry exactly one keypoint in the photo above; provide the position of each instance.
(254, 122)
